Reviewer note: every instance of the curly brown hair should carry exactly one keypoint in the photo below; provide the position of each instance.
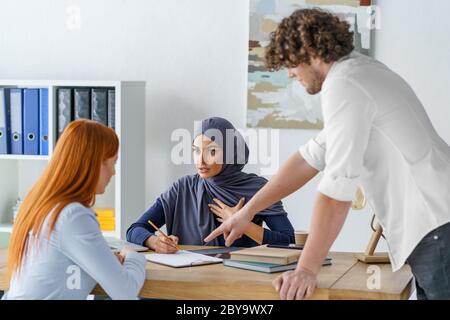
(307, 33)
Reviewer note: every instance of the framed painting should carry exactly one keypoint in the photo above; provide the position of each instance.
(274, 100)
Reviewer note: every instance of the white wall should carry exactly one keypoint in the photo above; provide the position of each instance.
(414, 41)
(193, 55)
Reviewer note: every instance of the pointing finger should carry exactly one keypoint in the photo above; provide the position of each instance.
(232, 237)
(217, 232)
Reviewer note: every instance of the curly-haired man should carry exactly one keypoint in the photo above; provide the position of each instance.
(377, 136)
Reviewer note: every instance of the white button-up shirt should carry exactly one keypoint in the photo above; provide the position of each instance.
(378, 136)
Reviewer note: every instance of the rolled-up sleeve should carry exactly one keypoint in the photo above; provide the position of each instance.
(314, 151)
(348, 116)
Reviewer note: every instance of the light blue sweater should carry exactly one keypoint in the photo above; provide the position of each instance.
(73, 260)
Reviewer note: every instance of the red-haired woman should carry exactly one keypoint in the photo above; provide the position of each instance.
(57, 250)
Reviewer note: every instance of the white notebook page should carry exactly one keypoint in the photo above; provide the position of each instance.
(182, 258)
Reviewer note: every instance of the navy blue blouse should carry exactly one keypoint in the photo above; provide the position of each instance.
(281, 231)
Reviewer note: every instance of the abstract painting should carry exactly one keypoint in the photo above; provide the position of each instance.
(274, 100)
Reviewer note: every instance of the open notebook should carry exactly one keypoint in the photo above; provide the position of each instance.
(182, 259)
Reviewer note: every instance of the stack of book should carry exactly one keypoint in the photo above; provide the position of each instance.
(106, 219)
(264, 259)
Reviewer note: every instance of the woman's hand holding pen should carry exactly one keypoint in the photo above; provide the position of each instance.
(160, 244)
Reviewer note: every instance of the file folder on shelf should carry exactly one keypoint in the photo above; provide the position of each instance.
(65, 109)
(112, 108)
(31, 121)
(5, 115)
(43, 122)
(82, 97)
(100, 105)
(16, 121)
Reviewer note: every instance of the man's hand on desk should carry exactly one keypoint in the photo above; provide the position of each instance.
(328, 218)
(296, 285)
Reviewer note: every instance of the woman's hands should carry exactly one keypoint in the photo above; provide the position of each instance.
(224, 212)
(123, 253)
(233, 228)
(119, 257)
(161, 244)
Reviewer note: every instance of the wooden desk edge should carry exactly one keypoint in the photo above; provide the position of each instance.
(154, 289)
(339, 294)
(350, 294)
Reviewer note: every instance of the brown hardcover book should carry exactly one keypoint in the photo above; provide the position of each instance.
(264, 254)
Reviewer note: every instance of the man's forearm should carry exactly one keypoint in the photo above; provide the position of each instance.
(328, 218)
(293, 175)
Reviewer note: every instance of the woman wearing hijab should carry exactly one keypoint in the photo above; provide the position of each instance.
(197, 204)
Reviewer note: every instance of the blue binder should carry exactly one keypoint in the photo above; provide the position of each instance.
(5, 129)
(16, 121)
(43, 122)
(31, 121)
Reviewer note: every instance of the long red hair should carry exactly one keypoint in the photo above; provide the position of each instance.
(72, 175)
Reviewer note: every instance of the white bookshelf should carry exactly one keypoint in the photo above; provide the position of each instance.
(23, 157)
(125, 192)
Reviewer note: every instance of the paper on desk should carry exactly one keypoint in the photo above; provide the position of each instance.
(182, 258)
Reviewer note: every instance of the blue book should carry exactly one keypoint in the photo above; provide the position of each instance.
(5, 115)
(31, 121)
(43, 122)
(16, 121)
